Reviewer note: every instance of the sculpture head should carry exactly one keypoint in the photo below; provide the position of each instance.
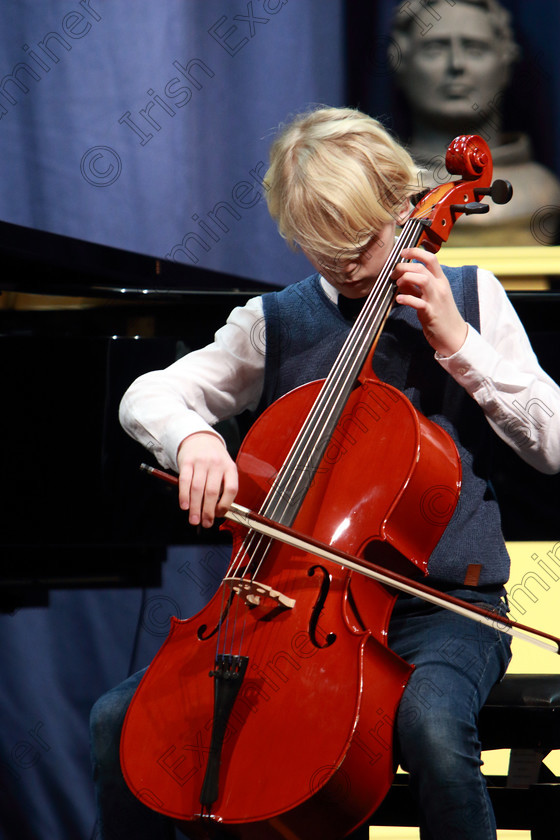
(454, 60)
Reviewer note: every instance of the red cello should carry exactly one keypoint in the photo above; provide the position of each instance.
(270, 713)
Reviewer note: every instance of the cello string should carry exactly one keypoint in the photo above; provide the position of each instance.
(327, 405)
(233, 572)
(235, 623)
(344, 371)
(221, 621)
(340, 372)
(251, 544)
(362, 333)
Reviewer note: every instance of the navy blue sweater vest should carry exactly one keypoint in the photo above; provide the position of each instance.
(304, 334)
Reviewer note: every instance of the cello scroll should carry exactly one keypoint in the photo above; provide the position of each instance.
(468, 156)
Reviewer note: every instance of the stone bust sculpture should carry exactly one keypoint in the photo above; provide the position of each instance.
(453, 64)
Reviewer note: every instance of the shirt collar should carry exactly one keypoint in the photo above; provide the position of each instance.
(329, 290)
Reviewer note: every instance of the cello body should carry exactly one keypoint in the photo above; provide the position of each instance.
(306, 749)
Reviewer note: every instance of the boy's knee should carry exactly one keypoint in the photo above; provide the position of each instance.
(107, 717)
(440, 745)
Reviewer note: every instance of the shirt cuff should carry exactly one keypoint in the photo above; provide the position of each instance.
(469, 366)
(176, 432)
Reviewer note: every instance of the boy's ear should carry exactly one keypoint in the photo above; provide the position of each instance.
(403, 213)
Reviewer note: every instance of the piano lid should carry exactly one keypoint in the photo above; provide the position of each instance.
(39, 262)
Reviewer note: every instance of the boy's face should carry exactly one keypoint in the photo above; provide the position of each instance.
(355, 278)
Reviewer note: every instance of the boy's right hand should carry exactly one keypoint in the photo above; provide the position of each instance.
(207, 478)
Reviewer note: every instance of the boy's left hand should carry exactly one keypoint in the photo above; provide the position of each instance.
(423, 286)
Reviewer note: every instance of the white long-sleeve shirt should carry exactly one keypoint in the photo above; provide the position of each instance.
(497, 367)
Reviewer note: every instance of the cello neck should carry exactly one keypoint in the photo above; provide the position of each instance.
(297, 472)
(363, 337)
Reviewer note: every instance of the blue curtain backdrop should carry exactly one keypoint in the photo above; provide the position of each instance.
(146, 126)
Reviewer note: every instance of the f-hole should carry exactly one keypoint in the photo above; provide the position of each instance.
(318, 608)
(204, 627)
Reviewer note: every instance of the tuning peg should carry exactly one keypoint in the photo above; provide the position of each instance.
(470, 208)
(500, 192)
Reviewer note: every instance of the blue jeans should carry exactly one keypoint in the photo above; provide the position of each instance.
(456, 664)
(121, 815)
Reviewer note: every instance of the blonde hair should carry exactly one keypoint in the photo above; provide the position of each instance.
(336, 177)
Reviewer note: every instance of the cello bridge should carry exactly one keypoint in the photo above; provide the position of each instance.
(254, 593)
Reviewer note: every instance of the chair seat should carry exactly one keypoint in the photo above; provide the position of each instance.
(522, 712)
(526, 690)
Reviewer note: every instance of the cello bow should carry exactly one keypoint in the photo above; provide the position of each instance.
(268, 528)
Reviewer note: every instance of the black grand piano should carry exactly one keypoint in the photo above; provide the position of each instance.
(75, 509)
(78, 322)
